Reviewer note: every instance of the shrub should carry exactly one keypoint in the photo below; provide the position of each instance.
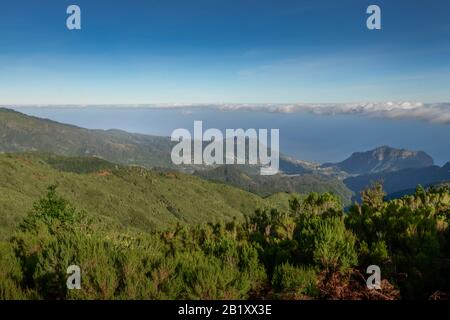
(325, 242)
(289, 251)
(300, 280)
(315, 204)
(11, 275)
(403, 236)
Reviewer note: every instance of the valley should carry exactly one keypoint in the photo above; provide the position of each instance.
(400, 169)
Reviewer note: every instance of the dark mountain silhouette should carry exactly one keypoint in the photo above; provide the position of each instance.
(399, 182)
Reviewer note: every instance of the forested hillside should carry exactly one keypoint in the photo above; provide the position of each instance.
(21, 133)
(267, 185)
(132, 196)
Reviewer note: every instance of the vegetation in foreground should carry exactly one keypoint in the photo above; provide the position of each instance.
(311, 251)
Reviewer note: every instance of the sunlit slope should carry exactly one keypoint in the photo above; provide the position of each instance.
(22, 133)
(133, 196)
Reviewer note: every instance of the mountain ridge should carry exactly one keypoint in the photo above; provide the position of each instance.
(382, 159)
(401, 180)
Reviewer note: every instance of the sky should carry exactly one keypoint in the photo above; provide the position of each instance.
(223, 51)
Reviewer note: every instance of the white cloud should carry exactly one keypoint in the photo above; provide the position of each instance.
(436, 112)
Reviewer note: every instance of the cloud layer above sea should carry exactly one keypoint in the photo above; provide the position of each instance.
(429, 112)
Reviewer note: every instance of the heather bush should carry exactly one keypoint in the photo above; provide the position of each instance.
(298, 280)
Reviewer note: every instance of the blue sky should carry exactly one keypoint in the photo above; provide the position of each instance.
(215, 51)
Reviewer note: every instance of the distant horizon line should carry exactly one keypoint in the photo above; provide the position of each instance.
(212, 104)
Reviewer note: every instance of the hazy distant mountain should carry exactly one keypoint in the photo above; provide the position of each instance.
(382, 159)
(399, 182)
(21, 133)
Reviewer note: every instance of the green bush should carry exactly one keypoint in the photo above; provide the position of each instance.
(300, 280)
(315, 204)
(11, 276)
(404, 236)
(325, 242)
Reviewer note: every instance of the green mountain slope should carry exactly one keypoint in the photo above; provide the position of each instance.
(22, 133)
(132, 196)
(267, 185)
